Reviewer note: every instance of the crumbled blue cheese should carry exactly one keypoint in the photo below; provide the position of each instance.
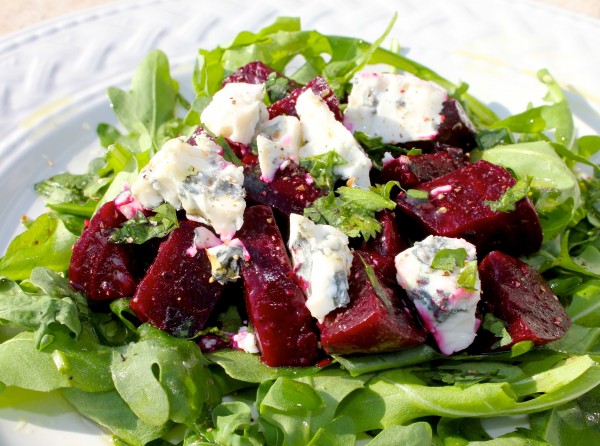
(446, 309)
(323, 133)
(245, 340)
(278, 139)
(196, 179)
(394, 107)
(225, 262)
(235, 111)
(322, 259)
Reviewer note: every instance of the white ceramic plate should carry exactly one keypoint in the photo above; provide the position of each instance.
(53, 78)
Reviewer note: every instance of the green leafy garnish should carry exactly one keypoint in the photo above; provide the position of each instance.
(448, 259)
(321, 168)
(509, 199)
(467, 278)
(140, 228)
(417, 194)
(498, 329)
(352, 211)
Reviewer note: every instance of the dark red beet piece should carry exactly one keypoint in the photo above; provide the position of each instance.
(291, 190)
(457, 208)
(319, 86)
(177, 294)
(99, 268)
(412, 170)
(256, 73)
(518, 294)
(385, 246)
(456, 129)
(275, 302)
(376, 319)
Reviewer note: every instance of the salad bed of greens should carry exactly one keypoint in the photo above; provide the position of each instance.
(140, 383)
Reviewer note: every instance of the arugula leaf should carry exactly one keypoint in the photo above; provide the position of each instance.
(47, 242)
(140, 228)
(496, 326)
(416, 434)
(149, 105)
(232, 424)
(150, 378)
(110, 411)
(321, 168)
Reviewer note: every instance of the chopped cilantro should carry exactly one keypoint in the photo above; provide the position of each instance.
(352, 211)
(468, 276)
(228, 153)
(417, 194)
(448, 259)
(380, 292)
(509, 199)
(321, 168)
(140, 228)
(277, 87)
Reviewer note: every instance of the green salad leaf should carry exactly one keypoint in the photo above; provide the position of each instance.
(139, 382)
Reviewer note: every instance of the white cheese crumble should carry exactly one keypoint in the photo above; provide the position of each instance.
(394, 107)
(278, 140)
(322, 259)
(245, 340)
(323, 133)
(446, 309)
(197, 179)
(235, 111)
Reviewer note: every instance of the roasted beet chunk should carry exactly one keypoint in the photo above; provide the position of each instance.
(456, 207)
(275, 302)
(100, 268)
(517, 293)
(320, 87)
(177, 294)
(385, 246)
(257, 73)
(291, 190)
(412, 170)
(456, 129)
(376, 320)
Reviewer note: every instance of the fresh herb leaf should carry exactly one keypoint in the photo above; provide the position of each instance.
(228, 153)
(140, 228)
(458, 378)
(490, 138)
(496, 326)
(321, 168)
(232, 424)
(417, 194)
(46, 242)
(150, 104)
(277, 87)
(467, 278)
(376, 148)
(353, 211)
(509, 199)
(448, 259)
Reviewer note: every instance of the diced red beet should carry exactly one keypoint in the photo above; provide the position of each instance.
(385, 246)
(376, 319)
(320, 87)
(275, 302)
(518, 294)
(256, 73)
(456, 129)
(177, 294)
(291, 190)
(457, 207)
(100, 268)
(412, 170)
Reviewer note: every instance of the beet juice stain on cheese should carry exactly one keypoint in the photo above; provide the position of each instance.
(346, 251)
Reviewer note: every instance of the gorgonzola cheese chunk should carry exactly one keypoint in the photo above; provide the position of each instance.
(235, 111)
(323, 133)
(394, 107)
(322, 259)
(196, 179)
(279, 139)
(446, 309)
